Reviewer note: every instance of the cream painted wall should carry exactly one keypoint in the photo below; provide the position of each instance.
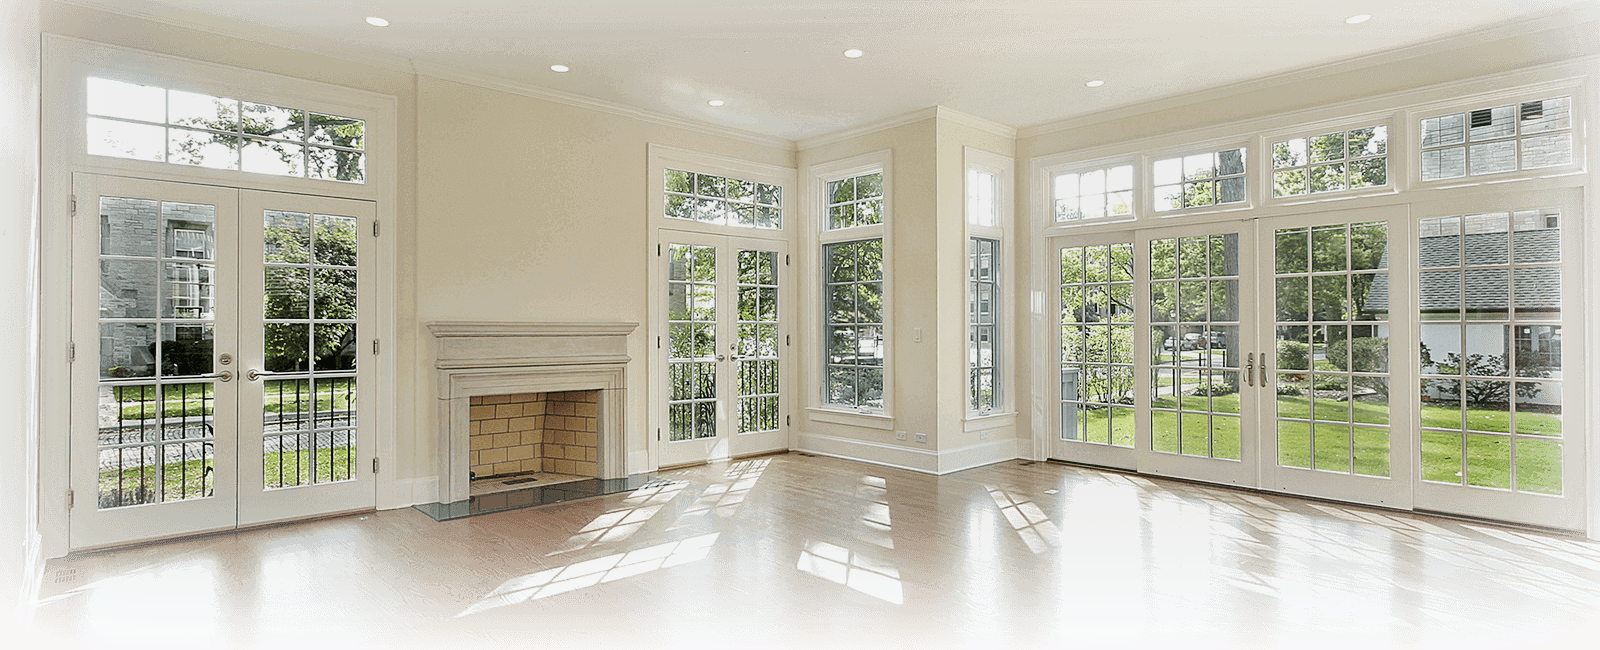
(536, 211)
(19, 247)
(912, 300)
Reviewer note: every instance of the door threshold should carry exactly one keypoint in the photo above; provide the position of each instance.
(87, 551)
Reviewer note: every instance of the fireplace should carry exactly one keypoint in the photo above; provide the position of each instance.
(569, 375)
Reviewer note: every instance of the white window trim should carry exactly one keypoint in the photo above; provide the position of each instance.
(1003, 168)
(1252, 178)
(1044, 174)
(815, 195)
(1395, 178)
(1581, 110)
(67, 63)
(660, 158)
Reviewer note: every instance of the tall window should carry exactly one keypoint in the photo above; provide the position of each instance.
(1497, 140)
(150, 123)
(983, 324)
(1199, 180)
(853, 309)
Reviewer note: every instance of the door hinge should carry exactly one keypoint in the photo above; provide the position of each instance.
(786, 421)
(74, 205)
(374, 346)
(374, 466)
(375, 228)
(786, 340)
(658, 434)
(658, 343)
(785, 259)
(72, 352)
(69, 499)
(658, 250)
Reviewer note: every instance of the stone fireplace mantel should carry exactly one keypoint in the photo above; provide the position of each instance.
(479, 358)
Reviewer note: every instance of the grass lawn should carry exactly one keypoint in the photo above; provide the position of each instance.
(1356, 440)
(193, 400)
(188, 478)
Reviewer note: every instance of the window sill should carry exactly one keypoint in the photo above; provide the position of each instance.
(878, 421)
(984, 422)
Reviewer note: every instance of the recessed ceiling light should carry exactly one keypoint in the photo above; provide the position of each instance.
(716, 102)
(1358, 18)
(1094, 83)
(853, 53)
(377, 22)
(559, 68)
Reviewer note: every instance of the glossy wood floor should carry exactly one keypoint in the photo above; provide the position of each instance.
(793, 551)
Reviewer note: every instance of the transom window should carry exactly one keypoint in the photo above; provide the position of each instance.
(855, 201)
(140, 122)
(1199, 180)
(723, 200)
(1094, 194)
(1345, 160)
(1497, 140)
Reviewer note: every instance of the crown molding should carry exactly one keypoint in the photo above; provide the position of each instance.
(599, 105)
(1546, 21)
(870, 127)
(981, 124)
(412, 67)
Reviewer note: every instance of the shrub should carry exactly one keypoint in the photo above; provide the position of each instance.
(1289, 390)
(1366, 355)
(1215, 389)
(1294, 355)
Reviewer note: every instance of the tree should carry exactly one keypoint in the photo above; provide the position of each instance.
(245, 123)
(332, 291)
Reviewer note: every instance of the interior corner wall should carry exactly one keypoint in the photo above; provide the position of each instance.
(953, 138)
(531, 210)
(912, 288)
(20, 555)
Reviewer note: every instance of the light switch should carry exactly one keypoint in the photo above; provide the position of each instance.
(916, 335)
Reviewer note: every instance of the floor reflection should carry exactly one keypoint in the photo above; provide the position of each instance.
(1027, 519)
(860, 572)
(589, 573)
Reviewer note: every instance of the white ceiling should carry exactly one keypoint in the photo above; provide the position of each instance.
(779, 67)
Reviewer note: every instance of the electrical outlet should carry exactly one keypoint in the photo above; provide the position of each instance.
(899, 435)
(922, 438)
(983, 435)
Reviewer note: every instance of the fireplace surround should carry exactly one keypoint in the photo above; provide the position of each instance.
(490, 358)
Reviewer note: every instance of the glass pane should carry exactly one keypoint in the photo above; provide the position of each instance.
(336, 240)
(1491, 123)
(1441, 457)
(1328, 252)
(1373, 172)
(335, 294)
(126, 140)
(1371, 451)
(335, 164)
(1294, 443)
(270, 157)
(202, 149)
(287, 347)
(127, 289)
(336, 346)
(336, 131)
(1441, 295)
(1293, 349)
(127, 350)
(1489, 461)
(1331, 443)
(267, 121)
(1290, 153)
(1539, 466)
(1547, 151)
(1369, 246)
(287, 237)
(202, 111)
(1293, 299)
(125, 100)
(1488, 294)
(287, 293)
(1329, 301)
(186, 349)
(1371, 141)
(1326, 178)
(1443, 130)
(1492, 157)
(869, 186)
(1291, 251)
(1444, 163)
(1289, 182)
(1328, 147)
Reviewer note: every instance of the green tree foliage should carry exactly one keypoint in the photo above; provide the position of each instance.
(266, 126)
(288, 348)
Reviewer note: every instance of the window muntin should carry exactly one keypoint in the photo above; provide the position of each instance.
(1343, 160)
(983, 324)
(723, 200)
(141, 122)
(1498, 140)
(856, 201)
(1096, 194)
(1199, 180)
(853, 324)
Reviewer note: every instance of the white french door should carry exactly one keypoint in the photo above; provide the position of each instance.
(722, 352)
(1154, 361)
(1403, 356)
(216, 359)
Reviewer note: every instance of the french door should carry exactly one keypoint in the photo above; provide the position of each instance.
(723, 353)
(216, 359)
(1405, 356)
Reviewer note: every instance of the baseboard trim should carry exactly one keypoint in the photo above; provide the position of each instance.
(978, 455)
(916, 460)
(407, 492)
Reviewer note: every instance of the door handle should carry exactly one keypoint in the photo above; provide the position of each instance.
(1263, 367)
(252, 374)
(1250, 369)
(722, 357)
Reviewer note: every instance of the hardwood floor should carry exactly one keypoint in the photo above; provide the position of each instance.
(793, 551)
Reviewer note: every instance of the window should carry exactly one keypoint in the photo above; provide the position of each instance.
(1095, 194)
(983, 194)
(723, 200)
(148, 123)
(1497, 140)
(1199, 180)
(1346, 160)
(855, 201)
(853, 303)
(983, 324)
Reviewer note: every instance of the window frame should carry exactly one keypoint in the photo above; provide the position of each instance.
(1003, 169)
(1045, 175)
(1571, 88)
(1251, 176)
(1392, 175)
(818, 177)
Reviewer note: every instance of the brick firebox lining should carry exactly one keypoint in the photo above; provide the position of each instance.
(534, 432)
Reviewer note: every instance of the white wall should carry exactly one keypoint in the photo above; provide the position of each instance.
(19, 182)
